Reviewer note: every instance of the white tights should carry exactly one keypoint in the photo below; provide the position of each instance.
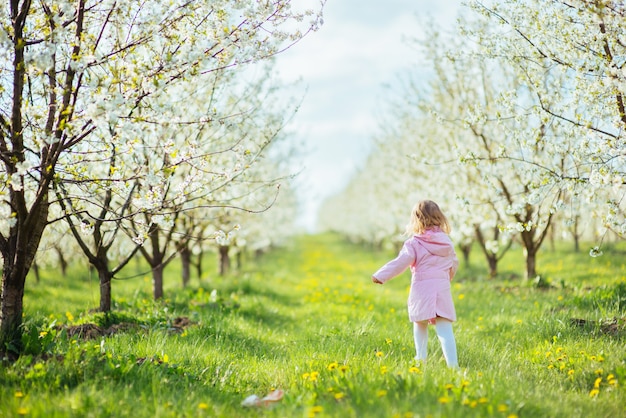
(446, 338)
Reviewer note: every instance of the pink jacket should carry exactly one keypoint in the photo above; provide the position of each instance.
(433, 263)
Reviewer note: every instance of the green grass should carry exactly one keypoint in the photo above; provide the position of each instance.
(308, 320)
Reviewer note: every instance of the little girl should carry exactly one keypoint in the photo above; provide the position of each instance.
(433, 261)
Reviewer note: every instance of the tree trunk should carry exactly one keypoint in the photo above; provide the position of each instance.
(18, 253)
(466, 250)
(185, 259)
(531, 247)
(576, 235)
(531, 263)
(224, 259)
(492, 261)
(11, 310)
(62, 261)
(105, 289)
(36, 272)
(157, 281)
(199, 264)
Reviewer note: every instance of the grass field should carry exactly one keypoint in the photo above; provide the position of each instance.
(307, 320)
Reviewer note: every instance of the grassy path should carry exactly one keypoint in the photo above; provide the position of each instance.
(308, 320)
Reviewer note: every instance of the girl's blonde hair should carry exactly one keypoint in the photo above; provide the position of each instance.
(426, 214)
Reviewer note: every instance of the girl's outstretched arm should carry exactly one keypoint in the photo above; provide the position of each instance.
(393, 268)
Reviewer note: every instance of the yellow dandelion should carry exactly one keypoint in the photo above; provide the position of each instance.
(461, 296)
(313, 376)
(383, 369)
(388, 340)
(465, 383)
(473, 404)
(465, 402)
(332, 366)
(611, 379)
(482, 400)
(166, 358)
(19, 394)
(502, 408)
(380, 393)
(570, 372)
(43, 334)
(315, 410)
(593, 393)
(379, 354)
(339, 395)
(512, 416)
(519, 321)
(596, 384)
(69, 316)
(343, 368)
(414, 369)
(202, 405)
(599, 372)
(305, 376)
(444, 400)
(449, 386)
(22, 411)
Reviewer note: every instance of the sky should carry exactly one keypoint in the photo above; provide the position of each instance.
(346, 70)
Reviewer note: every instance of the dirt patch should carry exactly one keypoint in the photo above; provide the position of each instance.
(92, 331)
(179, 324)
(613, 326)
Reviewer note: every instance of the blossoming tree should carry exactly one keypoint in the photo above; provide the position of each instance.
(83, 80)
(570, 55)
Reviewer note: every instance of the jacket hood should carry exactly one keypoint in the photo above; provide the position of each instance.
(436, 242)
